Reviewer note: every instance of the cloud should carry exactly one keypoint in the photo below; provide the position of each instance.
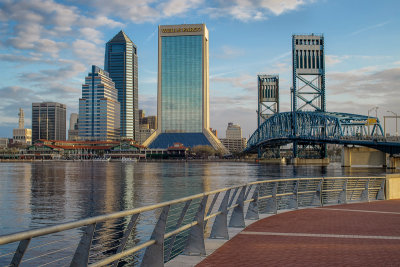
(253, 10)
(244, 82)
(92, 34)
(88, 51)
(178, 7)
(45, 26)
(229, 52)
(367, 86)
(368, 28)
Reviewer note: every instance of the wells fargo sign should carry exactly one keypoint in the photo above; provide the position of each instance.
(175, 30)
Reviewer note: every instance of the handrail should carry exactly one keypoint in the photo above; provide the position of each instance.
(170, 231)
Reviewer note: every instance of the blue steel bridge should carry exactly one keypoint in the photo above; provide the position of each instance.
(315, 128)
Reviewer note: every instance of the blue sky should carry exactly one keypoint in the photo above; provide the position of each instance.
(47, 48)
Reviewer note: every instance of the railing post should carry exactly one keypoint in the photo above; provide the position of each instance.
(343, 194)
(154, 255)
(220, 226)
(195, 244)
(381, 192)
(233, 196)
(127, 233)
(293, 202)
(237, 217)
(365, 193)
(272, 202)
(178, 224)
(317, 197)
(19, 253)
(81, 256)
(252, 210)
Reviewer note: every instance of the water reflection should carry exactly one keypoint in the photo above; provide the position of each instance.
(38, 194)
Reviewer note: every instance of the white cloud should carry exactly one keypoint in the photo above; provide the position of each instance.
(88, 51)
(178, 7)
(253, 10)
(92, 34)
(229, 52)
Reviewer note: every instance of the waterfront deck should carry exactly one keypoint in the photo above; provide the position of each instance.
(361, 234)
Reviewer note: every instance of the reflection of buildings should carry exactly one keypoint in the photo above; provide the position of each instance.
(48, 193)
(98, 108)
(73, 127)
(21, 134)
(48, 121)
(183, 88)
(121, 62)
(147, 126)
(234, 141)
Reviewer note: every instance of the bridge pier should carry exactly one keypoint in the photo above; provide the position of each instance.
(392, 162)
(363, 156)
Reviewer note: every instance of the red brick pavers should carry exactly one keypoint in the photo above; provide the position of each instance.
(362, 234)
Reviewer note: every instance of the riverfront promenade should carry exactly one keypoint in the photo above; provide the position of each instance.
(361, 234)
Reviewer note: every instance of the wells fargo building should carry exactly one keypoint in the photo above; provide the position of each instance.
(183, 87)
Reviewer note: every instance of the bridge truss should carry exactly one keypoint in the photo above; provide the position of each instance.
(316, 128)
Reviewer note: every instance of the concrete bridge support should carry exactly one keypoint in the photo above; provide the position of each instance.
(363, 156)
(392, 162)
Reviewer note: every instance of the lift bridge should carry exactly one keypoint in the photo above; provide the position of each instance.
(316, 128)
(309, 127)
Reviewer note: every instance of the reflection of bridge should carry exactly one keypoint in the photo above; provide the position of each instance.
(313, 128)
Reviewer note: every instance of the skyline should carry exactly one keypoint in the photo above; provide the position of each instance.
(47, 48)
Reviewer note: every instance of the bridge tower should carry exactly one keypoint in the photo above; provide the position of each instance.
(268, 103)
(308, 91)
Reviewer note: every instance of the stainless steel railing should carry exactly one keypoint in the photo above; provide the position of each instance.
(153, 235)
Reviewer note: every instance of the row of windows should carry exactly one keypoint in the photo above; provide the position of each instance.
(269, 80)
(309, 59)
(309, 42)
(268, 91)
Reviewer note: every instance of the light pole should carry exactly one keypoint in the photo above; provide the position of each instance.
(395, 114)
(376, 112)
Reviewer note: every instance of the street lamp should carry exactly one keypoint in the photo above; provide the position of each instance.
(395, 114)
(376, 112)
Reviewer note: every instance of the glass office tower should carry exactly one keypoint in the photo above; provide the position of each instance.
(121, 62)
(183, 87)
(99, 108)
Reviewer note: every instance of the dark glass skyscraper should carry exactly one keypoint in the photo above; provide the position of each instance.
(121, 62)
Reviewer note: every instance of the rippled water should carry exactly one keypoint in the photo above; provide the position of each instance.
(38, 194)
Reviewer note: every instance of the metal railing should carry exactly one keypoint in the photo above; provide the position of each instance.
(153, 235)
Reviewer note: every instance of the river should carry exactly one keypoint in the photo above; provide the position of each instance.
(38, 194)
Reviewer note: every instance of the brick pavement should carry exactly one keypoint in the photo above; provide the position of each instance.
(361, 234)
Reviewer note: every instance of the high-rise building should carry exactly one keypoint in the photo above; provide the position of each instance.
(121, 62)
(48, 121)
(183, 88)
(73, 127)
(21, 134)
(99, 108)
(234, 141)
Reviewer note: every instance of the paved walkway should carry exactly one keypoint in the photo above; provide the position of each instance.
(362, 234)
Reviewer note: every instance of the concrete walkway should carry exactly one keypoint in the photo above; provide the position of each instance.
(362, 234)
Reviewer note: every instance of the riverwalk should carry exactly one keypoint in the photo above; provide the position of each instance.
(360, 234)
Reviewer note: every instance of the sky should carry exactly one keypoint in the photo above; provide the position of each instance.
(47, 48)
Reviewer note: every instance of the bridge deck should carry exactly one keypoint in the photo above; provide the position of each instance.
(362, 234)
